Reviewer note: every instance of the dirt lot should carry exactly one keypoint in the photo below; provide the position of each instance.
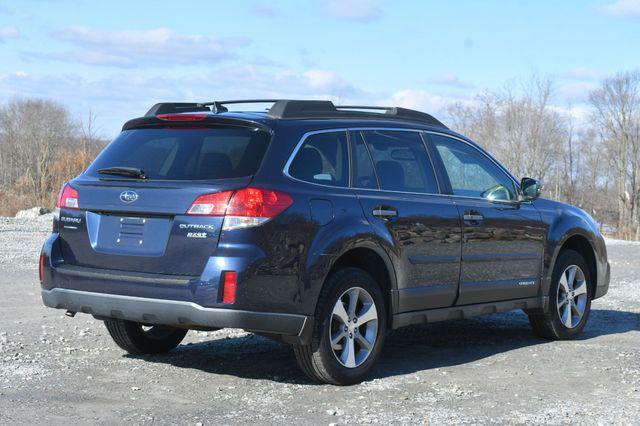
(491, 369)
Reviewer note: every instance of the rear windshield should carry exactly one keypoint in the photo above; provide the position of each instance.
(186, 154)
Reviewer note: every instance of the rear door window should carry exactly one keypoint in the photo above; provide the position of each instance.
(401, 161)
(323, 158)
(186, 154)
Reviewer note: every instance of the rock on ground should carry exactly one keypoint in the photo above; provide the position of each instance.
(32, 213)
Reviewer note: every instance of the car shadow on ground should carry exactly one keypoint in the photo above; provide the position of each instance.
(406, 350)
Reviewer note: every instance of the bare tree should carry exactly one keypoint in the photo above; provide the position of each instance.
(521, 128)
(31, 131)
(532, 137)
(617, 115)
(594, 164)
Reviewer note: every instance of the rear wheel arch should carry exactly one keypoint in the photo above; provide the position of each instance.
(376, 263)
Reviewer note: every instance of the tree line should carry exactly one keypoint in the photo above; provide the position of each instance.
(592, 161)
(41, 147)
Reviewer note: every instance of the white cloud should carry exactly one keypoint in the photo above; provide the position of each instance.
(421, 100)
(583, 74)
(580, 114)
(354, 10)
(624, 8)
(450, 79)
(132, 48)
(118, 98)
(9, 32)
(328, 82)
(577, 91)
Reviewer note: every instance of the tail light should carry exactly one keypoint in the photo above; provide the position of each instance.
(210, 204)
(229, 287)
(68, 198)
(242, 208)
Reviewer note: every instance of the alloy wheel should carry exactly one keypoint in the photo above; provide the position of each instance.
(354, 327)
(572, 296)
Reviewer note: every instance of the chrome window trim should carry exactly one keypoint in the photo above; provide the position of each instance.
(357, 129)
(401, 129)
(302, 141)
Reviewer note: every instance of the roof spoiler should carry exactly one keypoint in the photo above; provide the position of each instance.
(175, 108)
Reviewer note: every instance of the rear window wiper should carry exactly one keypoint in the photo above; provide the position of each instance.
(133, 172)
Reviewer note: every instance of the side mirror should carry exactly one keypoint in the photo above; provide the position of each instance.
(530, 188)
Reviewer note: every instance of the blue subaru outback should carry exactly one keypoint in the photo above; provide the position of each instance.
(322, 226)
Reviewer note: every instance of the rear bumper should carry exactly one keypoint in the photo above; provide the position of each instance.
(293, 328)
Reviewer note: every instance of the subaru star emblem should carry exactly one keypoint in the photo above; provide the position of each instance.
(128, 196)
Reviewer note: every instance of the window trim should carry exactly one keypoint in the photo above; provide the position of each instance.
(426, 142)
(301, 143)
(347, 130)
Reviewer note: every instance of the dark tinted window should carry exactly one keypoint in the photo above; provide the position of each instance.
(324, 159)
(363, 175)
(186, 154)
(473, 174)
(401, 161)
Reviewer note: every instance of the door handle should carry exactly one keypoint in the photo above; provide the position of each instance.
(473, 217)
(384, 212)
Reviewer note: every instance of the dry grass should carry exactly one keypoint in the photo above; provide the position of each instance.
(66, 165)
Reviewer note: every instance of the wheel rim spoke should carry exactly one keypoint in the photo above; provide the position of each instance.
(364, 343)
(563, 282)
(566, 316)
(580, 288)
(348, 356)
(572, 276)
(336, 338)
(340, 312)
(575, 309)
(367, 314)
(353, 302)
(562, 300)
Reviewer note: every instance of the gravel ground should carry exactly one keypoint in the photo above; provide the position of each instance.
(59, 370)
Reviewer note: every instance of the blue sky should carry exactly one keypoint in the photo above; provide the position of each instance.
(117, 58)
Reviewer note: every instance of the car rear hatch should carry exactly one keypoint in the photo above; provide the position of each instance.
(140, 223)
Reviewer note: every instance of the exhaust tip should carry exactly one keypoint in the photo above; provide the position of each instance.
(70, 314)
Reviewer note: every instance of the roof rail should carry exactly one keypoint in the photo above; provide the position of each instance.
(291, 109)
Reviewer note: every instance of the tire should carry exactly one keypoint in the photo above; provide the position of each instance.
(349, 360)
(137, 339)
(556, 324)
